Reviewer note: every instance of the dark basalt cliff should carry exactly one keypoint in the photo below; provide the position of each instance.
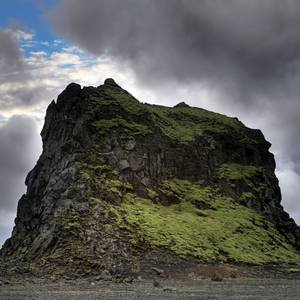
(120, 183)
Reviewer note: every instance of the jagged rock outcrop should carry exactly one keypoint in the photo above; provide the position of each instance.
(120, 183)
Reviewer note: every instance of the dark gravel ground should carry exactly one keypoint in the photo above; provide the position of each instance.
(194, 289)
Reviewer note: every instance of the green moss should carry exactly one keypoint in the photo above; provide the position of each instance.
(238, 172)
(246, 196)
(116, 108)
(116, 186)
(115, 172)
(103, 167)
(95, 201)
(152, 194)
(104, 126)
(115, 183)
(225, 231)
(181, 190)
(293, 270)
(129, 104)
(86, 176)
(72, 226)
(127, 186)
(250, 176)
(184, 124)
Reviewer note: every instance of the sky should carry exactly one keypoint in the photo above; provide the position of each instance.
(236, 57)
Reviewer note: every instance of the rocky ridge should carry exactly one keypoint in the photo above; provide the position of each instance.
(122, 185)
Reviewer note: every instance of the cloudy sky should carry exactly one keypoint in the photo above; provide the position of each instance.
(237, 57)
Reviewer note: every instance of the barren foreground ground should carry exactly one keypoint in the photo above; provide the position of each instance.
(166, 289)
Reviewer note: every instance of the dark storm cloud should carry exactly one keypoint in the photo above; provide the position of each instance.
(253, 43)
(21, 96)
(12, 69)
(11, 56)
(19, 147)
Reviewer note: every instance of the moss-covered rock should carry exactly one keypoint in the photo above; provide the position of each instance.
(121, 183)
(238, 172)
(225, 232)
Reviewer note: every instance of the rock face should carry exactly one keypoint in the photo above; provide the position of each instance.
(120, 183)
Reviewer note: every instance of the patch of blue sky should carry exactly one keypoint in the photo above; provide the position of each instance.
(37, 45)
(28, 14)
(3, 119)
(67, 66)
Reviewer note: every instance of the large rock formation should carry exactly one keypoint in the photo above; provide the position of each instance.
(120, 183)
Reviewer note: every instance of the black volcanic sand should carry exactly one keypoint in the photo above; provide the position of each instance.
(202, 281)
(167, 289)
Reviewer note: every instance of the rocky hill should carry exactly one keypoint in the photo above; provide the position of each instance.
(121, 184)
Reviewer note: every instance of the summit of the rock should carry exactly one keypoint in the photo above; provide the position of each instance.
(181, 104)
(111, 82)
(120, 184)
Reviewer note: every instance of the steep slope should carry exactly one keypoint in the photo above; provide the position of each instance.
(120, 182)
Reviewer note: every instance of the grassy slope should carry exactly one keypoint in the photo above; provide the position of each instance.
(205, 225)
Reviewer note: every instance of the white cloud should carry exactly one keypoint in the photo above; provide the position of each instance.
(43, 76)
(62, 59)
(22, 35)
(20, 148)
(7, 219)
(289, 182)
